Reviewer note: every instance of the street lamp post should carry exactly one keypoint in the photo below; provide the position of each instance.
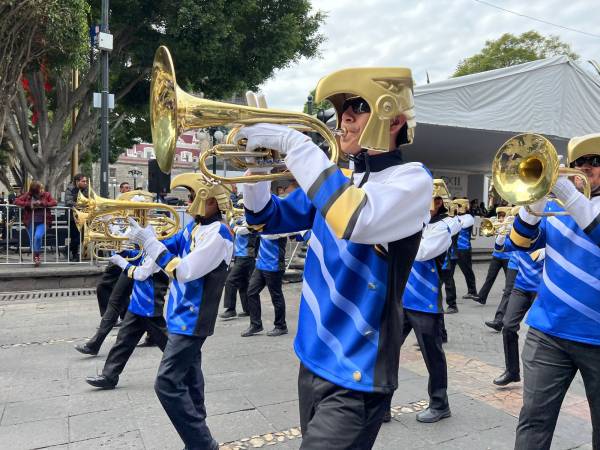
(135, 172)
(217, 139)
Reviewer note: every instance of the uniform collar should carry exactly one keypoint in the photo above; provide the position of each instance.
(377, 163)
(208, 220)
(439, 216)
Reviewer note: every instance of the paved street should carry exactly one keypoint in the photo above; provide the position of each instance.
(250, 385)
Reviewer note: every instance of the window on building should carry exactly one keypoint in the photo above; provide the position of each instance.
(112, 172)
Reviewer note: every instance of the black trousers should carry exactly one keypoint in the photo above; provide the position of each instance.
(106, 284)
(428, 331)
(550, 364)
(132, 330)
(509, 283)
(238, 279)
(118, 303)
(518, 304)
(74, 236)
(447, 278)
(493, 269)
(180, 389)
(273, 281)
(466, 267)
(336, 418)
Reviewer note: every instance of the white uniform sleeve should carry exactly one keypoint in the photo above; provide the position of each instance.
(583, 210)
(435, 241)
(206, 256)
(454, 225)
(142, 272)
(378, 212)
(467, 220)
(241, 230)
(256, 195)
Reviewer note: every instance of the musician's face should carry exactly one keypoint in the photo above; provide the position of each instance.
(593, 174)
(212, 207)
(354, 123)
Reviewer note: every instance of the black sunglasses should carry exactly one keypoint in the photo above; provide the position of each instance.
(358, 104)
(592, 160)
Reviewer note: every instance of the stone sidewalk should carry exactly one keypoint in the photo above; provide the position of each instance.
(250, 386)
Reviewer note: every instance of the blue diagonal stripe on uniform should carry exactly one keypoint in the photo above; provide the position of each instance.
(324, 334)
(423, 280)
(339, 300)
(573, 303)
(574, 237)
(572, 269)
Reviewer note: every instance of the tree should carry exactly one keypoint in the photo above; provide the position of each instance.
(325, 104)
(509, 50)
(219, 48)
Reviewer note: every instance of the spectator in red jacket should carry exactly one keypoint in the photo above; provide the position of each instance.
(36, 216)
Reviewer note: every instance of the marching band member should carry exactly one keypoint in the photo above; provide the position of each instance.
(365, 235)
(463, 247)
(564, 321)
(447, 276)
(500, 260)
(196, 259)
(238, 278)
(145, 314)
(423, 309)
(530, 266)
(269, 270)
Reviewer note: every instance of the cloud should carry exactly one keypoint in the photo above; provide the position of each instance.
(424, 35)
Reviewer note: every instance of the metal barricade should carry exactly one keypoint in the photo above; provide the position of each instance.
(55, 239)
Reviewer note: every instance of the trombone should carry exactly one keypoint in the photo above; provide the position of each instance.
(526, 168)
(173, 111)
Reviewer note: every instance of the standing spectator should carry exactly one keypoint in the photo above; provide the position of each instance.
(483, 210)
(80, 184)
(36, 216)
(124, 187)
(235, 196)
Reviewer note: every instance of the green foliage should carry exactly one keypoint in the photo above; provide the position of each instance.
(325, 104)
(219, 47)
(509, 50)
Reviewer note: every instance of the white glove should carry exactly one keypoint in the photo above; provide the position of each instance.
(500, 239)
(118, 260)
(565, 191)
(145, 238)
(272, 136)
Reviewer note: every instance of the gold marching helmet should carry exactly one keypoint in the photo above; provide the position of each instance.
(462, 205)
(583, 145)
(203, 189)
(387, 90)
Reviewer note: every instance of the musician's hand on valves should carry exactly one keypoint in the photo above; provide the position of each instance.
(565, 190)
(271, 136)
(118, 260)
(145, 238)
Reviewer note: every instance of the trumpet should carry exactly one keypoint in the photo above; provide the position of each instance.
(173, 111)
(526, 168)
(105, 221)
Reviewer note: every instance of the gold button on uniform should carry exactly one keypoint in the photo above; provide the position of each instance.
(357, 376)
(183, 327)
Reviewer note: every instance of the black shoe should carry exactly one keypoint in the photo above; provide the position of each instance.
(433, 415)
(494, 325)
(478, 300)
(252, 330)
(243, 314)
(277, 331)
(471, 296)
(387, 417)
(86, 350)
(507, 378)
(451, 310)
(101, 382)
(229, 314)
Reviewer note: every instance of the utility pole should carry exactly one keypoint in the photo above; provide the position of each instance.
(104, 104)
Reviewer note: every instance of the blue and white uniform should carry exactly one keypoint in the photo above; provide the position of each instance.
(363, 242)
(197, 258)
(271, 253)
(530, 267)
(567, 305)
(149, 288)
(464, 237)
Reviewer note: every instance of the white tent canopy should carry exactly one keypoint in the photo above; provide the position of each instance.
(463, 121)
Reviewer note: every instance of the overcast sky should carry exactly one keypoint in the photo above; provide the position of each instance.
(425, 35)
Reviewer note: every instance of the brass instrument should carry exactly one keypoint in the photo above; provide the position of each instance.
(173, 111)
(105, 222)
(493, 226)
(526, 168)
